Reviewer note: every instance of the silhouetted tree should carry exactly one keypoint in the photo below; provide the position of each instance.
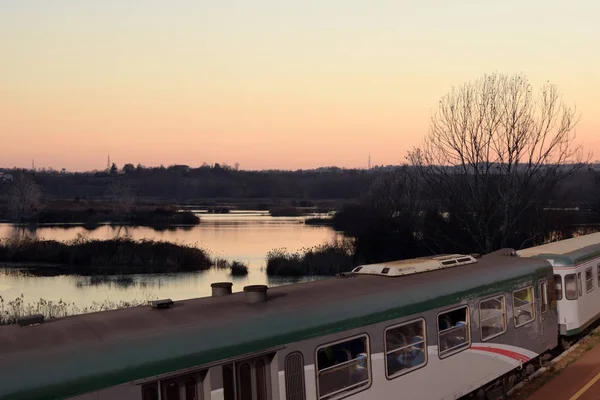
(114, 169)
(494, 155)
(121, 197)
(128, 168)
(23, 197)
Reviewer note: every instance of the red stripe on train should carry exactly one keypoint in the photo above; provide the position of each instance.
(507, 353)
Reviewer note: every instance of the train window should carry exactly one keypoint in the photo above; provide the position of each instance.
(598, 273)
(405, 348)
(544, 297)
(453, 331)
(248, 379)
(150, 391)
(492, 317)
(589, 280)
(343, 368)
(570, 287)
(294, 377)
(558, 284)
(579, 284)
(183, 387)
(523, 306)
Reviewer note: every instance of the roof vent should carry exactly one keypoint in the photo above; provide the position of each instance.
(33, 319)
(221, 288)
(164, 303)
(255, 294)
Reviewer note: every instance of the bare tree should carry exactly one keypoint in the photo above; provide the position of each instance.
(494, 154)
(394, 193)
(23, 197)
(121, 197)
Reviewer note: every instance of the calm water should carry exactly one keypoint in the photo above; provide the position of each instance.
(245, 236)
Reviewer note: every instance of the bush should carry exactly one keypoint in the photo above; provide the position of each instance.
(325, 259)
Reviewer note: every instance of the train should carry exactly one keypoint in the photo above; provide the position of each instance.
(448, 326)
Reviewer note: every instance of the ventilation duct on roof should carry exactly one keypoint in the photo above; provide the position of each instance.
(221, 288)
(255, 294)
(164, 303)
(33, 319)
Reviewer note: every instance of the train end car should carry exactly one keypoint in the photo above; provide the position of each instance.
(576, 264)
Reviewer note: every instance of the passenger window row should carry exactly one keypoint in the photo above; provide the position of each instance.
(343, 367)
(574, 285)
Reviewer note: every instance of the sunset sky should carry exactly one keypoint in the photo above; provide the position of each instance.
(269, 84)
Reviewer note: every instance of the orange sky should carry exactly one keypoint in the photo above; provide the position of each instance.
(266, 83)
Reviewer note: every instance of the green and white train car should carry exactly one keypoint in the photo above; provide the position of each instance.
(429, 328)
(576, 264)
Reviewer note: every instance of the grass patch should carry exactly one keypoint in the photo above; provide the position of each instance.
(11, 310)
(236, 268)
(325, 259)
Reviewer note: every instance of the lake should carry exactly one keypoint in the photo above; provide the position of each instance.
(246, 236)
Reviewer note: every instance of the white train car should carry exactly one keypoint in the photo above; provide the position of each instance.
(576, 265)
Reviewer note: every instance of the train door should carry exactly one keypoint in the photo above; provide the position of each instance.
(543, 296)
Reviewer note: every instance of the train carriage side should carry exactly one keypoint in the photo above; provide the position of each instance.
(448, 349)
(576, 264)
(359, 337)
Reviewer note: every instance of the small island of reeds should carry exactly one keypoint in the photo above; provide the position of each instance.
(98, 257)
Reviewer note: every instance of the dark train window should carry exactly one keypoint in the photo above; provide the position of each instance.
(579, 284)
(343, 368)
(571, 287)
(492, 317)
(589, 280)
(405, 348)
(523, 306)
(150, 391)
(247, 380)
(544, 297)
(598, 273)
(294, 377)
(559, 289)
(453, 332)
(183, 387)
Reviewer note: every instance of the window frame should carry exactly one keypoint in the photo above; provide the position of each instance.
(562, 287)
(358, 389)
(579, 285)
(504, 313)
(533, 316)
(385, 351)
(160, 385)
(543, 288)
(437, 324)
(574, 276)
(591, 280)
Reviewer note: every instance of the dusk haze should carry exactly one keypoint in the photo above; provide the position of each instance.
(269, 84)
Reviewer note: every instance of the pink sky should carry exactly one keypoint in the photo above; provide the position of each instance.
(266, 84)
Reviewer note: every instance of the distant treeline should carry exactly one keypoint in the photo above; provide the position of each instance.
(215, 185)
(191, 185)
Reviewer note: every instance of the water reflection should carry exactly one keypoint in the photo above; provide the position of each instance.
(243, 236)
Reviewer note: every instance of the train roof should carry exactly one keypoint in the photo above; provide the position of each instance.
(567, 252)
(74, 355)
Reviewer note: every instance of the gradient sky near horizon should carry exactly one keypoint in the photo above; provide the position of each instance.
(266, 83)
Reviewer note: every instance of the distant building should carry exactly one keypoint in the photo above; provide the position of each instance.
(4, 177)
